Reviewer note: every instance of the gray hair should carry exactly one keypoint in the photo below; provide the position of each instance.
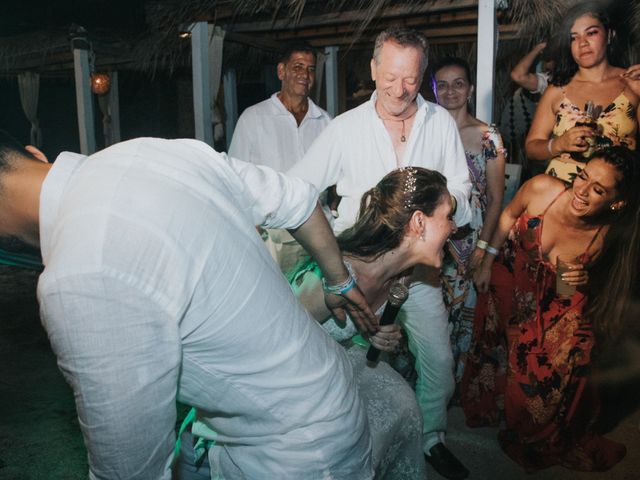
(405, 37)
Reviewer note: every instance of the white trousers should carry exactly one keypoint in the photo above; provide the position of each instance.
(426, 320)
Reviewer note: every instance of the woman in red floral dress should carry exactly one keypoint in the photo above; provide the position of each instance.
(532, 348)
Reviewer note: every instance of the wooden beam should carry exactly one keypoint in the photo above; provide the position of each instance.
(434, 35)
(353, 16)
(261, 41)
(464, 18)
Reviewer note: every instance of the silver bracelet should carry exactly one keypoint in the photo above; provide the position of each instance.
(550, 146)
(492, 250)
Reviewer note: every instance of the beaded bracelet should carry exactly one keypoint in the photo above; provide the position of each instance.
(482, 245)
(491, 250)
(341, 288)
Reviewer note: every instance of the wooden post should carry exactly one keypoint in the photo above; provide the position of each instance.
(486, 54)
(331, 69)
(201, 82)
(114, 108)
(84, 98)
(230, 103)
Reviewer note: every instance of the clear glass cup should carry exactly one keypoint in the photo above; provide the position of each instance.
(565, 263)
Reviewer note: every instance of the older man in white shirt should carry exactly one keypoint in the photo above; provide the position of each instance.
(398, 128)
(278, 132)
(157, 287)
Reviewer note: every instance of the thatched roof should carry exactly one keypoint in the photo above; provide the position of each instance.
(143, 35)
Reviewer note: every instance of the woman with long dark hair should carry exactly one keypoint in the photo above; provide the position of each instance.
(536, 328)
(485, 159)
(592, 101)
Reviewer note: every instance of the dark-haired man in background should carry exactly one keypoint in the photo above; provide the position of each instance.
(278, 131)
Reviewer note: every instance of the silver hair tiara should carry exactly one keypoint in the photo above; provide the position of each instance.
(409, 187)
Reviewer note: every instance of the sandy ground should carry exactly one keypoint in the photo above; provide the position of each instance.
(40, 438)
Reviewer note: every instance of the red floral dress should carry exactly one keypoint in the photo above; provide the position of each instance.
(530, 358)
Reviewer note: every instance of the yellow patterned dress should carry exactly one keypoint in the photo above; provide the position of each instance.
(617, 125)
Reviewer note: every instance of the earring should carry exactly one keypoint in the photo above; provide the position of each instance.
(613, 208)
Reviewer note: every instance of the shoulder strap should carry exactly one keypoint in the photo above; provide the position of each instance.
(554, 200)
(593, 239)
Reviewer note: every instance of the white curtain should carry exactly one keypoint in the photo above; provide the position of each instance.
(216, 42)
(29, 85)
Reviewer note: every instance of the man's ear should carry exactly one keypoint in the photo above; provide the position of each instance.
(36, 153)
(280, 69)
(373, 69)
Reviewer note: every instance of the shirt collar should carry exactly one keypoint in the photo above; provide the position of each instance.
(424, 107)
(280, 109)
(51, 193)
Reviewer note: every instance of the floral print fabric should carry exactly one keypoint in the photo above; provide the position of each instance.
(530, 362)
(459, 292)
(617, 125)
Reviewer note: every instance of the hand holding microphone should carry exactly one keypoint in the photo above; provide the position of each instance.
(398, 294)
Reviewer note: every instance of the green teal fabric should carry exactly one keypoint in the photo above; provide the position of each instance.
(200, 431)
(20, 260)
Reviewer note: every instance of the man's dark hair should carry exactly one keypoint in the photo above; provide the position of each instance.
(9, 147)
(296, 47)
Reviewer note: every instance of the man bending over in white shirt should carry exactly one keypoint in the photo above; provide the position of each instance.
(157, 288)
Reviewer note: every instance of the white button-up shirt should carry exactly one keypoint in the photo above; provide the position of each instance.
(268, 134)
(157, 287)
(355, 151)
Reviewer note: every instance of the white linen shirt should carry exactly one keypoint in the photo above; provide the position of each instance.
(355, 151)
(156, 287)
(268, 134)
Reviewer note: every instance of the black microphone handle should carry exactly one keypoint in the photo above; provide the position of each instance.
(397, 296)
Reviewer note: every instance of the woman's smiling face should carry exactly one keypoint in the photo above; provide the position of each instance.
(595, 189)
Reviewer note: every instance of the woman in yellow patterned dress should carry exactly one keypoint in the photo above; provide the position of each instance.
(590, 103)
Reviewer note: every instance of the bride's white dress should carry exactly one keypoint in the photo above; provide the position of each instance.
(395, 421)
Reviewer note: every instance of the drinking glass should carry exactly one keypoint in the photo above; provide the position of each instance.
(565, 263)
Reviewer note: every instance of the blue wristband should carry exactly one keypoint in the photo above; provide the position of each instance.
(344, 287)
(341, 288)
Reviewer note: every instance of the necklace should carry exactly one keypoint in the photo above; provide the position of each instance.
(403, 137)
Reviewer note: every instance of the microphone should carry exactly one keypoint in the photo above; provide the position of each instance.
(398, 294)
